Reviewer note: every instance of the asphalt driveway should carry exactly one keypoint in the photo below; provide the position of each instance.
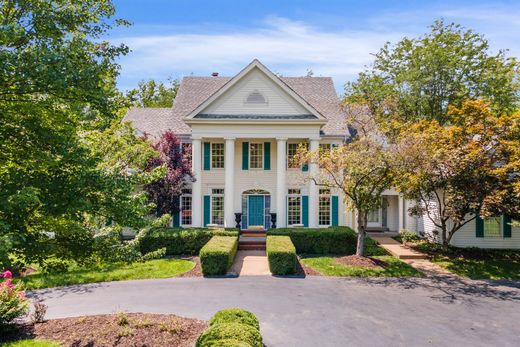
(320, 311)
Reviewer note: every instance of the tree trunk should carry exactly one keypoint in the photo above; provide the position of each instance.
(361, 229)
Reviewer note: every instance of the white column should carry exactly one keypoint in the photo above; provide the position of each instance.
(400, 209)
(313, 188)
(281, 182)
(196, 188)
(229, 181)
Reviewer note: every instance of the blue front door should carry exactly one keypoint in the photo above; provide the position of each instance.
(256, 210)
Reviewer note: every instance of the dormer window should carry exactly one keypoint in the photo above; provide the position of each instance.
(255, 98)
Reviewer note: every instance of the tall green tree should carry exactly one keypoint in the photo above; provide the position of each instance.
(58, 107)
(153, 94)
(417, 78)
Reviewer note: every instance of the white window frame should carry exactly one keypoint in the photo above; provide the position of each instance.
(186, 194)
(223, 155)
(294, 195)
(251, 156)
(325, 193)
(216, 195)
(288, 158)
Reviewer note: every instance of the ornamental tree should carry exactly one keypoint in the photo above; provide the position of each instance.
(153, 94)
(362, 168)
(417, 78)
(458, 171)
(165, 191)
(59, 106)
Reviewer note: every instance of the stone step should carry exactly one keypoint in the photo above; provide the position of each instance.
(251, 246)
(243, 238)
(256, 234)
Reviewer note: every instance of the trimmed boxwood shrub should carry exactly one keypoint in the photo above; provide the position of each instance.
(217, 256)
(333, 240)
(281, 255)
(230, 331)
(235, 315)
(179, 241)
(227, 343)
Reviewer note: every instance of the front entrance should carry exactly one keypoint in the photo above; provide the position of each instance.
(256, 210)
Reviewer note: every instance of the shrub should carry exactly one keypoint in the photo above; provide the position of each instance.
(229, 331)
(217, 256)
(408, 236)
(178, 241)
(333, 240)
(13, 303)
(227, 343)
(40, 309)
(235, 315)
(281, 255)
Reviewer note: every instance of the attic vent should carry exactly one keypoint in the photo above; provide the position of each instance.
(256, 98)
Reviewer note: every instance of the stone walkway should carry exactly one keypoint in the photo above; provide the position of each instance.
(415, 259)
(251, 263)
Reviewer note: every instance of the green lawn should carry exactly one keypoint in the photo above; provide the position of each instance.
(32, 343)
(473, 263)
(160, 268)
(326, 265)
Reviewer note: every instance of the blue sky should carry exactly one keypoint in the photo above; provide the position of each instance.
(333, 38)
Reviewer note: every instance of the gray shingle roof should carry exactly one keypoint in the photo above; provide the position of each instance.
(319, 92)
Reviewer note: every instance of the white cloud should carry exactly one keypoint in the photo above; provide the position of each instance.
(285, 46)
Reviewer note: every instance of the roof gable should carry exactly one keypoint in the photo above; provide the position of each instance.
(255, 92)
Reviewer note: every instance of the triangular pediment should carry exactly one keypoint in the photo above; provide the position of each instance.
(255, 93)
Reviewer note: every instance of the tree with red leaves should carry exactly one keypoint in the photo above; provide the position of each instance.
(165, 192)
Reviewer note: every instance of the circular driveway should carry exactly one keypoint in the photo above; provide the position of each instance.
(320, 311)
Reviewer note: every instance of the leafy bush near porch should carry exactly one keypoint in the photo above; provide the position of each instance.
(281, 255)
(217, 256)
(231, 328)
(179, 241)
(13, 303)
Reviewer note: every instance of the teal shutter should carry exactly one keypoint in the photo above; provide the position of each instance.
(177, 216)
(305, 167)
(335, 210)
(506, 222)
(479, 227)
(334, 145)
(267, 155)
(207, 208)
(305, 211)
(245, 155)
(207, 155)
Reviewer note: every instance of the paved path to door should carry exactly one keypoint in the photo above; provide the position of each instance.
(321, 311)
(251, 263)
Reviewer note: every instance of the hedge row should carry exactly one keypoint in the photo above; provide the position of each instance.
(217, 256)
(281, 255)
(333, 240)
(179, 241)
(232, 327)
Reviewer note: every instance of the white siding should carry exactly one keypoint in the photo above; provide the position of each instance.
(232, 102)
(465, 237)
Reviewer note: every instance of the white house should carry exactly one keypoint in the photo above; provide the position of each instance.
(241, 131)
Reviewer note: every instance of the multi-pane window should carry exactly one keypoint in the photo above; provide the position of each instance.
(492, 227)
(186, 152)
(373, 216)
(324, 207)
(256, 155)
(186, 207)
(217, 206)
(292, 150)
(294, 208)
(217, 155)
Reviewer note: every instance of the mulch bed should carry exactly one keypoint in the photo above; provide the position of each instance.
(196, 271)
(366, 262)
(123, 329)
